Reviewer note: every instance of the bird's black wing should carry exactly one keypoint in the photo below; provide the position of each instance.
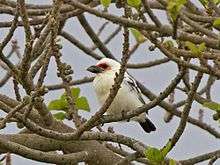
(131, 83)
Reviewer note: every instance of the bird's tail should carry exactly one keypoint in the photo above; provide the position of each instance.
(147, 125)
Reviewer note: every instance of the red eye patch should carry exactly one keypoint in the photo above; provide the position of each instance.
(103, 65)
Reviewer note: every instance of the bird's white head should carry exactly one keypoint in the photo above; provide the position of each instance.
(105, 65)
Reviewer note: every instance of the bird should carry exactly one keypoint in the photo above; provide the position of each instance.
(128, 97)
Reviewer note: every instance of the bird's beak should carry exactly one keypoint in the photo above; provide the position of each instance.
(95, 69)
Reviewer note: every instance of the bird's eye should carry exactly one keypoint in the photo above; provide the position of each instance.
(103, 66)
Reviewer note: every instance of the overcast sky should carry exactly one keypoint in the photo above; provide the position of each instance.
(194, 141)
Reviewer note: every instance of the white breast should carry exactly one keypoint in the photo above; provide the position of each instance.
(125, 100)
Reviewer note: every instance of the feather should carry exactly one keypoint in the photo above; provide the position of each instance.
(131, 83)
(147, 125)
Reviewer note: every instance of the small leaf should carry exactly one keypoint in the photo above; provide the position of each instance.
(197, 51)
(216, 1)
(174, 7)
(134, 3)
(216, 23)
(171, 7)
(154, 155)
(74, 91)
(137, 35)
(57, 105)
(191, 46)
(212, 105)
(202, 47)
(105, 3)
(62, 104)
(166, 149)
(204, 3)
(172, 162)
(59, 115)
(82, 103)
(169, 44)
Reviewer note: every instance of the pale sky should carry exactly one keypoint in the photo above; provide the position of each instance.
(194, 141)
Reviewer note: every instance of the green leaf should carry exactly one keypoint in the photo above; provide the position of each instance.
(154, 155)
(174, 7)
(62, 104)
(201, 47)
(59, 115)
(74, 91)
(216, 1)
(216, 23)
(212, 105)
(204, 3)
(82, 103)
(134, 3)
(105, 3)
(169, 44)
(172, 162)
(191, 46)
(57, 105)
(137, 35)
(166, 149)
(197, 51)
